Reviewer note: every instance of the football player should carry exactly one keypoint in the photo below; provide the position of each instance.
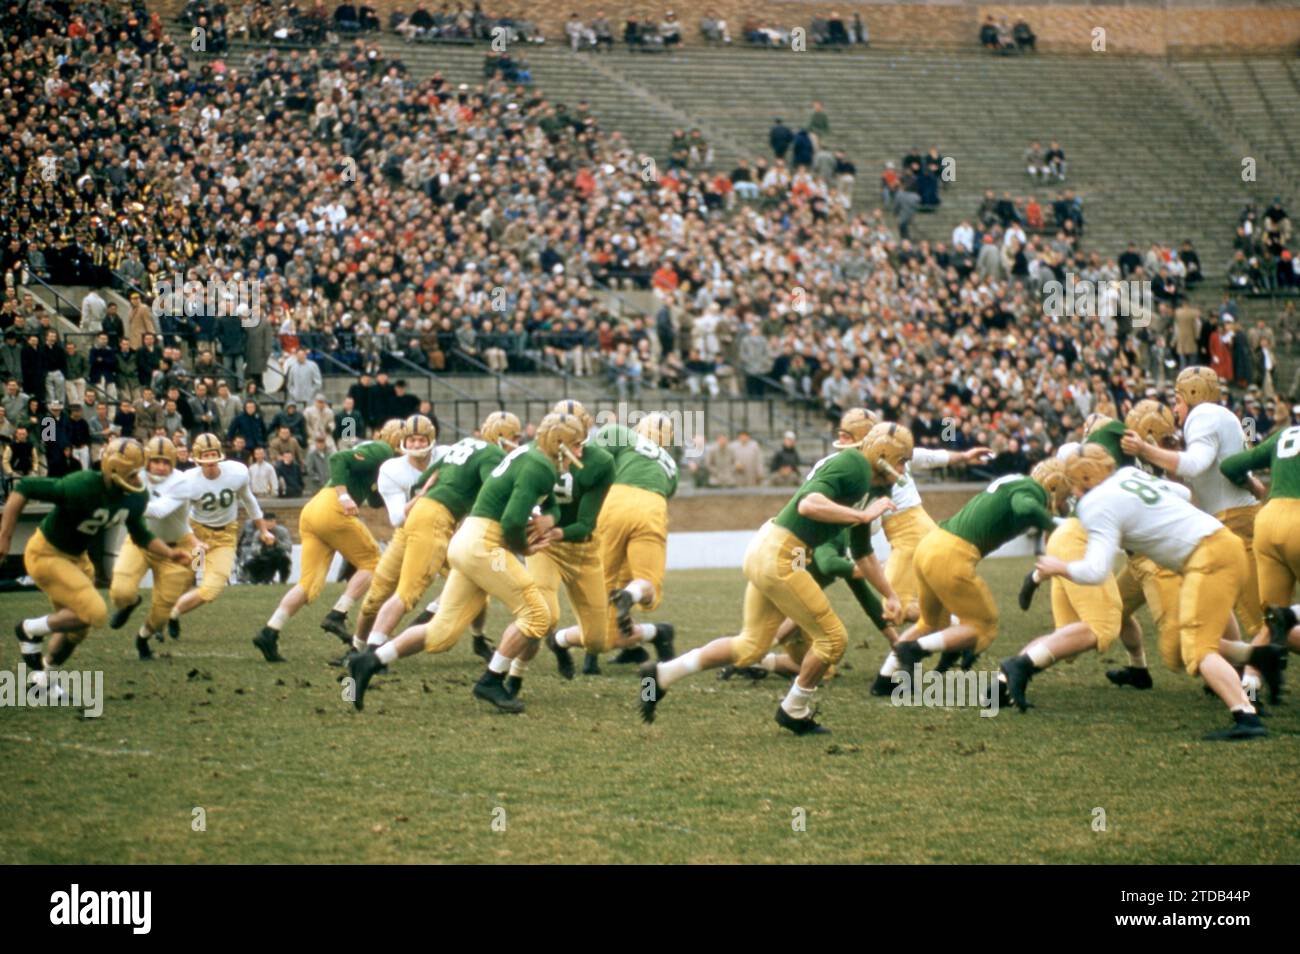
(168, 518)
(779, 585)
(446, 491)
(633, 534)
(329, 524)
(85, 502)
(486, 560)
(1212, 433)
(215, 490)
(1131, 509)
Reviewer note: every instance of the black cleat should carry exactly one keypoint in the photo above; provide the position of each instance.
(143, 649)
(122, 614)
(1270, 660)
(651, 692)
(1281, 620)
(754, 673)
(337, 623)
(1139, 677)
(947, 660)
(267, 641)
(491, 688)
(968, 659)
(483, 648)
(1018, 670)
(909, 653)
(623, 602)
(563, 658)
(513, 684)
(633, 654)
(1245, 725)
(173, 628)
(422, 619)
(805, 726)
(32, 661)
(663, 641)
(591, 664)
(883, 685)
(362, 667)
(1027, 590)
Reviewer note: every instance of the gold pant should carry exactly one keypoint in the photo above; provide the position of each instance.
(219, 558)
(325, 530)
(950, 586)
(170, 581)
(1144, 581)
(779, 587)
(1241, 521)
(1277, 550)
(414, 557)
(481, 566)
(632, 535)
(577, 567)
(1099, 606)
(67, 581)
(1213, 578)
(905, 531)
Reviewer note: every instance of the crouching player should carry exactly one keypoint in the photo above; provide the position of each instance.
(780, 586)
(85, 503)
(1130, 509)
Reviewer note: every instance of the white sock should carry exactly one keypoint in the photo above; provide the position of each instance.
(891, 665)
(499, 664)
(278, 619)
(1235, 651)
(932, 643)
(644, 630)
(796, 701)
(344, 604)
(1137, 658)
(570, 636)
(642, 590)
(432, 607)
(376, 638)
(1247, 708)
(517, 667)
(768, 662)
(1040, 656)
(952, 618)
(1037, 578)
(1251, 685)
(144, 631)
(387, 653)
(358, 645)
(684, 665)
(175, 613)
(37, 626)
(28, 649)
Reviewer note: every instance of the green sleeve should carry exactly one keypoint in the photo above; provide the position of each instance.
(339, 468)
(45, 489)
(869, 600)
(1028, 508)
(588, 512)
(830, 560)
(1236, 467)
(136, 527)
(519, 508)
(860, 541)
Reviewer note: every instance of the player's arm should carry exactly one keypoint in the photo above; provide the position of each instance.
(829, 559)
(1103, 543)
(254, 510)
(867, 567)
(818, 506)
(160, 508)
(1238, 466)
(517, 517)
(395, 499)
(1030, 513)
(588, 512)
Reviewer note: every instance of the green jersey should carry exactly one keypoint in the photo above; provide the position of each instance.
(846, 479)
(83, 506)
(581, 492)
(830, 560)
(1108, 436)
(638, 461)
(461, 474)
(525, 478)
(1010, 506)
(358, 470)
(1280, 454)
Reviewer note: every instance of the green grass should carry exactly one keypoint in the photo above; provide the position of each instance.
(287, 772)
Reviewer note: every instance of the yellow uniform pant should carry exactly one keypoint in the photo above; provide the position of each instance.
(1277, 550)
(481, 566)
(218, 559)
(325, 530)
(1241, 521)
(1099, 606)
(1213, 578)
(949, 585)
(779, 587)
(632, 534)
(905, 531)
(414, 557)
(576, 565)
(1144, 581)
(170, 581)
(67, 581)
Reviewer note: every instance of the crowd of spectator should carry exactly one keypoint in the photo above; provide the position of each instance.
(997, 35)
(1263, 259)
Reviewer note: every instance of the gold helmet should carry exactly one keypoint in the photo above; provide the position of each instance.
(658, 427)
(1095, 421)
(122, 462)
(501, 427)
(1089, 467)
(569, 406)
(557, 434)
(207, 449)
(888, 447)
(1197, 385)
(1050, 474)
(417, 425)
(160, 448)
(856, 422)
(1152, 420)
(393, 433)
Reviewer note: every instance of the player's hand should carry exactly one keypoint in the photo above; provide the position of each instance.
(540, 524)
(536, 545)
(1253, 484)
(1132, 444)
(350, 508)
(893, 608)
(182, 556)
(877, 507)
(977, 455)
(267, 537)
(1050, 566)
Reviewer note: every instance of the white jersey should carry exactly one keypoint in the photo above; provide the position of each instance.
(904, 493)
(215, 503)
(1134, 510)
(168, 513)
(397, 477)
(1210, 434)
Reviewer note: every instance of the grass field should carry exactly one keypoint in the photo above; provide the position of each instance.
(285, 771)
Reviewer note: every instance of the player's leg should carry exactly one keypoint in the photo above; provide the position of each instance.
(647, 559)
(352, 539)
(129, 569)
(905, 531)
(315, 558)
(613, 529)
(805, 603)
(933, 615)
(213, 567)
(949, 565)
(585, 583)
(170, 582)
(69, 584)
(383, 584)
(546, 567)
(1277, 558)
